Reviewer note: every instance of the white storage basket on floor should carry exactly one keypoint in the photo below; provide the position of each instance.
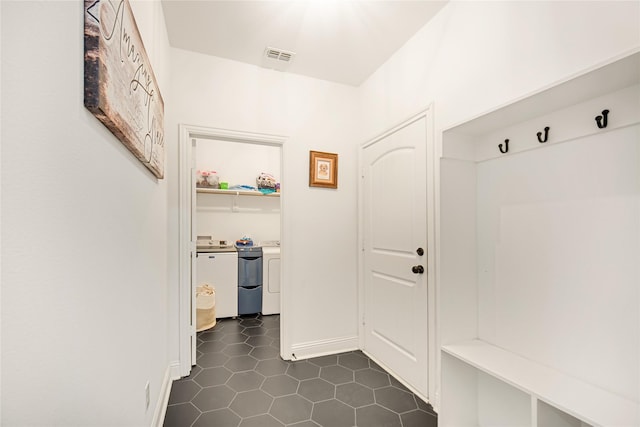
(205, 307)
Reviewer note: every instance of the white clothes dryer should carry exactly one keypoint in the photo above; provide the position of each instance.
(271, 279)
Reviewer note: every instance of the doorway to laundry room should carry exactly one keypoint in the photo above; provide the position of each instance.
(230, 230)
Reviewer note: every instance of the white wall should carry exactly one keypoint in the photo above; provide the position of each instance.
(475, 56)
(237, 163)
(478, 55)
(0, 223)
(558, 254)
(319, 235)
(231, 217)
(84, 329)
(84, 278)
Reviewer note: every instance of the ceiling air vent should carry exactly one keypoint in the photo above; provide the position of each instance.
(279, 54)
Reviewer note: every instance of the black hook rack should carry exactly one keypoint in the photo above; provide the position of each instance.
(601, 121)
(506, 146)
(543, 136)
(546, 135)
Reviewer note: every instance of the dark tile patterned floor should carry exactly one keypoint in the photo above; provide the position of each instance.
(240, 381)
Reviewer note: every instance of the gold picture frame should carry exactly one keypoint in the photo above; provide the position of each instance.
(323, 169)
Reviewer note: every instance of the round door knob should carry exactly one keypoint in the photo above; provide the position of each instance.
(417, 269)
(420, 251)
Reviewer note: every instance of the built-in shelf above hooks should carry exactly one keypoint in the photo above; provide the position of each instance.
(574, 109)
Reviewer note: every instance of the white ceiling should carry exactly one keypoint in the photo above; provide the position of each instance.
(343, 41)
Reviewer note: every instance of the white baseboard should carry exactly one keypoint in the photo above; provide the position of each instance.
(163, 396)
(311, 349)
(436, 403)
(175, 370)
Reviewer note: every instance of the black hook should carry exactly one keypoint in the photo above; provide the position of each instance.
(602, 120)
(546, 135)
(506, 146)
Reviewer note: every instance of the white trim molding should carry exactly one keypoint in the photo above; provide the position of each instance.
(317, 348)
(163, 398)
(187, 133)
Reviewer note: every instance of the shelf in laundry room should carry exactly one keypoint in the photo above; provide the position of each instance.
(235, 192)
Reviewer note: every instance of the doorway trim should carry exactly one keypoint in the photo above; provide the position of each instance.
(186, 246)
(432, 236)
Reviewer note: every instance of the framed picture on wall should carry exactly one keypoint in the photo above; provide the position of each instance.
(323, 169)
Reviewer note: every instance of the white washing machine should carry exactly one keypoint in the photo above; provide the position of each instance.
(270, 277)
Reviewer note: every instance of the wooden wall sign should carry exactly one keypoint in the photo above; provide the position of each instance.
(120, 88)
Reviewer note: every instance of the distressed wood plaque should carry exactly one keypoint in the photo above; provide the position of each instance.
(120, 88)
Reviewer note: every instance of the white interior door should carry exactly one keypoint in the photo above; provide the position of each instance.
(395, 234)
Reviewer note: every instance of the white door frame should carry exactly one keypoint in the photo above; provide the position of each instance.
(432, 362)
(187, 246)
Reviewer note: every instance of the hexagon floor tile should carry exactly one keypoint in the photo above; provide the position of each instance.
(241, 381)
